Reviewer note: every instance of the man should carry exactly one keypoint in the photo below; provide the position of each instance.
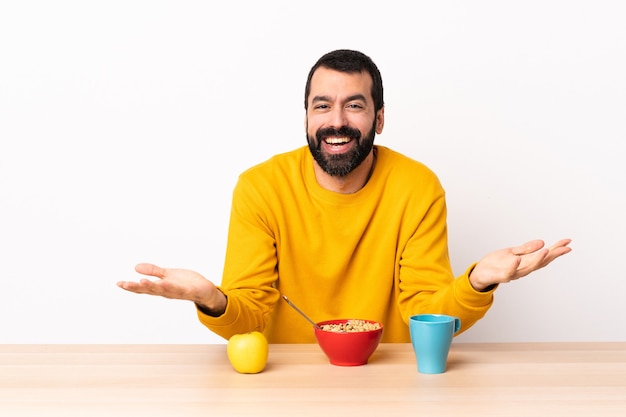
(345, 229)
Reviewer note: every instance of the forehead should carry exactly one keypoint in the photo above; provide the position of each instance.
(337, 85)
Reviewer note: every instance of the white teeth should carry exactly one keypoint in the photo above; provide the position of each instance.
(337, 141)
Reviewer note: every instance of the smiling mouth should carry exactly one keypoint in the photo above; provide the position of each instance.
(337, 141)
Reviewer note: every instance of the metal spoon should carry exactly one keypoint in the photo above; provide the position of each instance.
(301, 313)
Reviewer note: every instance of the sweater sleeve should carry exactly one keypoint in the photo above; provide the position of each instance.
(250, 268)
(426, 281)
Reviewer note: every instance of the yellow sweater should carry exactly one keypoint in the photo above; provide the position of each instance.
(379, 254)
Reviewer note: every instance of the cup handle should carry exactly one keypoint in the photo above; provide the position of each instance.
(457, 324)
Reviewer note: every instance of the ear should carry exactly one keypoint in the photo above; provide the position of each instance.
(380, 121)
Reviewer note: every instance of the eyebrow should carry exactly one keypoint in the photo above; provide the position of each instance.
(350, 98)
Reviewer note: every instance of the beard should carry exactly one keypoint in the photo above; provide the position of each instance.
(340, 165)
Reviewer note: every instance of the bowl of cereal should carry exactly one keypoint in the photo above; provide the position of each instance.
(348, 342)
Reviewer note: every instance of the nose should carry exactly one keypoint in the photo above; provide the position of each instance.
(337, 117)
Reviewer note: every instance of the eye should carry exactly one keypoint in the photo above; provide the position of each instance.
(321, 106)
(355, 106)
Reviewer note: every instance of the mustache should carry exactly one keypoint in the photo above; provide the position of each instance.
(342, 131)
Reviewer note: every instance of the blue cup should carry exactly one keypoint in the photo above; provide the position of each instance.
(431, 336)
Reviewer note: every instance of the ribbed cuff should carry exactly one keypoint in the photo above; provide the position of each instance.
(464, 291)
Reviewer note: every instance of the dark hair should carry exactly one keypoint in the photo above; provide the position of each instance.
(345, 60)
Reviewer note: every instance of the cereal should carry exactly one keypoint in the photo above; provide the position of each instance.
(351, 326)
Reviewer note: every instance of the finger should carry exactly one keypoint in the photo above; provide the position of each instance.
(561, 244)
(151, 270)
(123, 284)
(511, 268)
(531, 262)
(556, 252)
(516, 266)
(144, 286)
(528, 247)
(132, 287)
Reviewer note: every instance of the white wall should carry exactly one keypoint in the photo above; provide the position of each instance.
(124, 124)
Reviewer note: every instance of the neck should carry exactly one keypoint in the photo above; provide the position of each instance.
(350, 183)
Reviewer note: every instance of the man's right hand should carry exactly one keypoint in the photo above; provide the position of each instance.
(181, 284)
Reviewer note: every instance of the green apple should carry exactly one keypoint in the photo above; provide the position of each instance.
(248, 352)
